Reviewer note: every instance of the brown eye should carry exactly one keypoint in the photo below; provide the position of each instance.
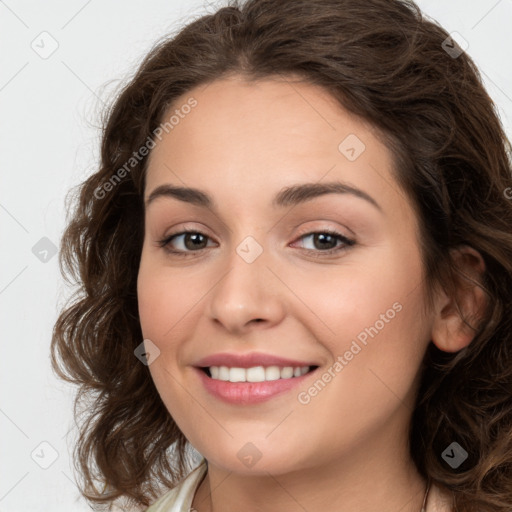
(324, 241)
(193, 241)
(327, 242)
(187, 241)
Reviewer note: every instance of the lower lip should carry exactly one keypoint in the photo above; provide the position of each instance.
(244, 393)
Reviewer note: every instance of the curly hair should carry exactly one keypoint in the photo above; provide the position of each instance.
(384, 61)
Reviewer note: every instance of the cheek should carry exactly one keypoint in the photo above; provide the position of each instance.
(363, 295)
(152, 295)
(159, 314)
(165, 309)
(377, 338)
(170, 306)
(371, 316)
(166, 298)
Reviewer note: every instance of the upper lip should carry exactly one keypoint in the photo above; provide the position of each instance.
(249, 360)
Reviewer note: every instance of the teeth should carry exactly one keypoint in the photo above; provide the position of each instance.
(256, 373)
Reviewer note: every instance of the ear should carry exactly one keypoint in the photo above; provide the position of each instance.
(457, 313)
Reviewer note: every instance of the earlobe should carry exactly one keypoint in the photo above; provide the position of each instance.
(458, 313)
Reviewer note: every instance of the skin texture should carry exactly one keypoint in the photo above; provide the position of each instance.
(347, 448)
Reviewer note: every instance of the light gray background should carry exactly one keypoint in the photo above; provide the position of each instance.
(49, 141)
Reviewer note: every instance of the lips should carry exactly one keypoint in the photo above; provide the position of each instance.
(246, 393)
(249, 393)
(250, 360)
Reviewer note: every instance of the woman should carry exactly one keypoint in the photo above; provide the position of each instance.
(371, 373)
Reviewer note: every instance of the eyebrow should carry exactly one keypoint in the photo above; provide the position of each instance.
(288, 196)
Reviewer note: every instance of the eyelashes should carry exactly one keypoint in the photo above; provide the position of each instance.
(322, 236)
(166, 242)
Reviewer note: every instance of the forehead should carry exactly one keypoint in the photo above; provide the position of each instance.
(258, 136)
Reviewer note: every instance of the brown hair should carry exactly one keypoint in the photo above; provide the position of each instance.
(385, 62)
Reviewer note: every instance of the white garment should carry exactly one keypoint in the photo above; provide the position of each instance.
(179, 499)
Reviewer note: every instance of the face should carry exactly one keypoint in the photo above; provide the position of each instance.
(306, 254)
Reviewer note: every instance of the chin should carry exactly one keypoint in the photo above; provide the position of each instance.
(250, 460)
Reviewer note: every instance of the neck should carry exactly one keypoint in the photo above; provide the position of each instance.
(379, 476)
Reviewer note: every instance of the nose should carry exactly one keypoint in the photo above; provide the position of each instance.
(248, 296)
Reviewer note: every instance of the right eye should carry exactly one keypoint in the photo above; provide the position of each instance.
(193, 241)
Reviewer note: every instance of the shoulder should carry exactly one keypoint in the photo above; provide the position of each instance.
(180, 497)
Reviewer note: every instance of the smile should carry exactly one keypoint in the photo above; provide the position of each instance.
(256, 373)
(246, 386)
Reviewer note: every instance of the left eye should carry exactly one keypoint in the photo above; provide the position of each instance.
(321, 239)
(194, 241)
